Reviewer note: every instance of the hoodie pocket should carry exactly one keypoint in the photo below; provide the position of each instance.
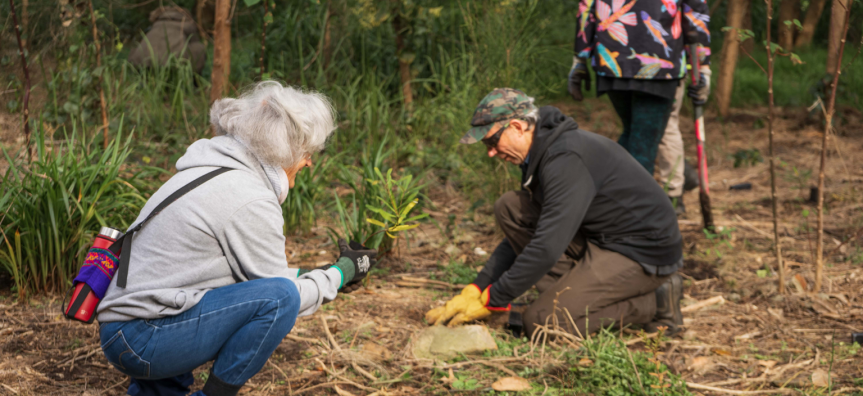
(123, 358)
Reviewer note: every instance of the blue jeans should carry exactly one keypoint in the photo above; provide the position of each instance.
(239, 326)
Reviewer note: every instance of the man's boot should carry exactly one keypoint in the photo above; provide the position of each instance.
(679, 207)
(668, 307)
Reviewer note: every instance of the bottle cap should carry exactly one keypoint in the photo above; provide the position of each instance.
(110, 232)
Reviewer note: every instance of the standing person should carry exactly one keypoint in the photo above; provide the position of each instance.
(636, 49)
(208, 278)
(590, 228)
(672, 171)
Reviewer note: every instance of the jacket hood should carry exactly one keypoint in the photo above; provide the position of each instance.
(222, 151)
(552, 123)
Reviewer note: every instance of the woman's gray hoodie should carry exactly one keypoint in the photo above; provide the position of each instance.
(228, 230)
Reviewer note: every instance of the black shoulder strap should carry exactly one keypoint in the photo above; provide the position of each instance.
(125, 241)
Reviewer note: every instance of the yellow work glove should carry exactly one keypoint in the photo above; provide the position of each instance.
(465, 307)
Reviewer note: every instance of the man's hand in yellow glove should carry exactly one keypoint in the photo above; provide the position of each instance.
(470, 305)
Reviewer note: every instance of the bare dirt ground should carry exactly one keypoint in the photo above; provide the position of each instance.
(755, 341)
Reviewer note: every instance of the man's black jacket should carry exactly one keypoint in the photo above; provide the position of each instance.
(584, 181)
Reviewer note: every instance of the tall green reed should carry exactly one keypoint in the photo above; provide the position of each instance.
(54, 206)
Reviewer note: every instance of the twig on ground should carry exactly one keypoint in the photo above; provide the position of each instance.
(330, 335)
(738, 392)
(429, 285)
(634, 367)
(356, 333)
(278, 369)
(640, 339)
(364, 372)
(309, 340)
(334, 374)
(704, 303)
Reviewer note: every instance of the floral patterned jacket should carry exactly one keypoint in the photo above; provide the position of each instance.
(640, 38)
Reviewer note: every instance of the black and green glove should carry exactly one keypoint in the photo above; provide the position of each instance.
(355, 261)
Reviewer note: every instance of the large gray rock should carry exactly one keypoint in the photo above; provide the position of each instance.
(440, 342)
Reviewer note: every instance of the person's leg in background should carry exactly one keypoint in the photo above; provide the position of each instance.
(670, 156)
(649, 116)
(622, 102)
(239, 326)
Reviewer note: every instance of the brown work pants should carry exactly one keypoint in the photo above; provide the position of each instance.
(598, 287)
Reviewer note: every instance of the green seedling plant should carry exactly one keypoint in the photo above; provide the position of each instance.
(400, 198)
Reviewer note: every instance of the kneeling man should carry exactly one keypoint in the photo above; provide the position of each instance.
(589, 224)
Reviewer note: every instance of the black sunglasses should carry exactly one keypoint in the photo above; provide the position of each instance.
(491, 141)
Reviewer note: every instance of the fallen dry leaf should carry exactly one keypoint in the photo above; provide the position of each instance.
(701, 364)
(514, 384)
(585, 362)
(450, 379)
(375, 352)
(342, 392)
(800, 283)
(776, 313)
(721, 352)
(768, 364)
(820, 378)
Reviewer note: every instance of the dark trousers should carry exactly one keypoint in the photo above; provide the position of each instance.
(644, 117)
(598, 287)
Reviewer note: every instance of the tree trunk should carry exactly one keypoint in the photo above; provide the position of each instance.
(837, 18)
(730, 49)
(404, 64)
(831, 107)
(777, 245)
(200, 9)
(99, 66)
(327, 51)
(748, 45)
(264, 38)
(25, 21)
(26, 101)
(221, 50)
(813, 14)
(789, 10)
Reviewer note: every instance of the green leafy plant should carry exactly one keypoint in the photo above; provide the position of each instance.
(605, 366)
(379, 205)
(54, 206)
(305, 198)
(400, 198)
(749, 157)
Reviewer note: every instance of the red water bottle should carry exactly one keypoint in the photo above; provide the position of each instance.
(82, 306)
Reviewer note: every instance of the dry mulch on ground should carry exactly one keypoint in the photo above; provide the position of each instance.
(753, 338)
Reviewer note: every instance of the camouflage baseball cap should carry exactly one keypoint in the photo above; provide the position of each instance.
(501, 104)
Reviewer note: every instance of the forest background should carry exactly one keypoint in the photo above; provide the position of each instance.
(405, 77)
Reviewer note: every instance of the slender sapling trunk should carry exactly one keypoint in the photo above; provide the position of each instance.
(26, 101)
(221, 50)
(776, 243)
(264, 37)
(99, 66)
(828, 127)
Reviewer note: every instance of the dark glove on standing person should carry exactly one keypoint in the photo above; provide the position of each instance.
(700, 91)
(355, 262)
(578, 75)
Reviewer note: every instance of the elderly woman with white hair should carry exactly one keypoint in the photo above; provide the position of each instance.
(207, 277)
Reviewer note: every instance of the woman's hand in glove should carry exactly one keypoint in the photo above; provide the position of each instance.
(355, 261)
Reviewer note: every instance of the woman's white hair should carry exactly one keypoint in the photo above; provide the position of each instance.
(280, 124)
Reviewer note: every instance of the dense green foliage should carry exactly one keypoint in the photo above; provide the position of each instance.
(456, 50)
